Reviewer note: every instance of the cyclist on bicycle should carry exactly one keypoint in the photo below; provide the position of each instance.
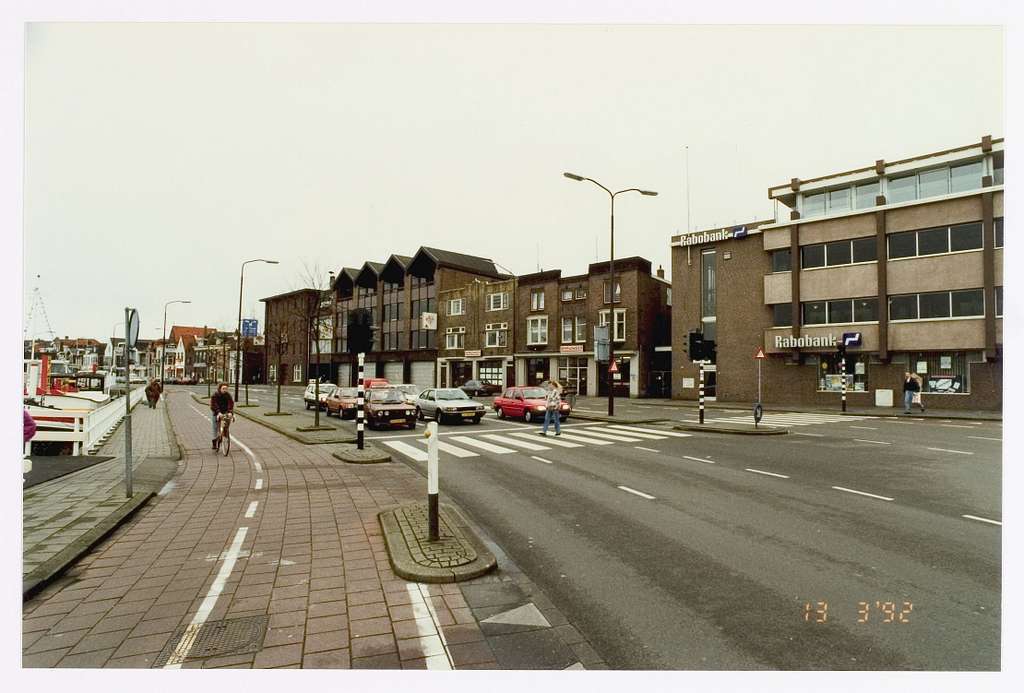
(220, 403)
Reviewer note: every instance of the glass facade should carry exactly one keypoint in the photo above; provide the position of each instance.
(572, 373)
(830, 373)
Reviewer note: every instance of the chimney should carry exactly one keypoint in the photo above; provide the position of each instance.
(661, 272)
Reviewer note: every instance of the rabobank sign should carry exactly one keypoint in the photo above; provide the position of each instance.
(705, 237)
(804, 341)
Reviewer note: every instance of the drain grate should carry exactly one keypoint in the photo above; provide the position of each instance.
(218, 638)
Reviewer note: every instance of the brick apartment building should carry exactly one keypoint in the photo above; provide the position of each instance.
(475, 327)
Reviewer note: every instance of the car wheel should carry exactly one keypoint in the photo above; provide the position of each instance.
(530, 418)
(476, 419)
(437, 416)
(419, 414)
(307, 406)
(499, 413)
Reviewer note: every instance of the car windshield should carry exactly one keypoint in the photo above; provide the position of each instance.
(346, 392)
(534, 393)
(451, 394)
(410, 389)
(389, 396)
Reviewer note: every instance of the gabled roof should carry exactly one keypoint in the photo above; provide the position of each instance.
(394, 268)
(346, 280)
(369, 274)
(427, 260)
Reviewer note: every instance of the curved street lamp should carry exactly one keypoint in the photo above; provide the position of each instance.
(611, 271)
(238, 333)
(163, 340)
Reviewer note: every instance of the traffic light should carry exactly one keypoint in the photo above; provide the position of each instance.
(360, 331)
(840, 356)
(695, 349)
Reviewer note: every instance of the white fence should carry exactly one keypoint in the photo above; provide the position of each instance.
(90, 428)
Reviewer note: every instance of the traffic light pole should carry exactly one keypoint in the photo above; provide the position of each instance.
(701, 392)
(359, 404)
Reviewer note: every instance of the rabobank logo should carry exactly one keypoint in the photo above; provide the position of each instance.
(705, 237)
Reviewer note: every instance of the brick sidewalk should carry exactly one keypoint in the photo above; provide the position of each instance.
(58, 513)
(288, 535)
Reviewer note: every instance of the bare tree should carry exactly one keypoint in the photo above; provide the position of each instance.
(276, 336)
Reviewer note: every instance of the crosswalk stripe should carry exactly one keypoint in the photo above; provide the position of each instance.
(631, 434)
(451, 449)
(407, 450)
(622, 438)
(671, 434)
(550, 441)
(507, 440)
(488, 447)
(582, 439)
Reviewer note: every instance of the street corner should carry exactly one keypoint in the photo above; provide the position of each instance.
(370, 454)
(457, 555)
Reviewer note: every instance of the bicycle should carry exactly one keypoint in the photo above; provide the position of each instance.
(224, 432)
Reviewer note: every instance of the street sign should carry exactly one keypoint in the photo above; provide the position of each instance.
(601, 344)
(133, 328)
(851, 339)
(759, 354)
(428, 321)
(250, 326)
(613, 368)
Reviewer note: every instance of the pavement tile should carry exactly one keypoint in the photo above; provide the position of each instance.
(328, 609)
(142, 661)
(370, 626)
(568, 634)
(288, 635)
(470, 653)
(462, 616)
(373, 645)
(326, 623)
(414, 628)
(100, 641)
(71, 623)
(363, 585)
(57, 641)
(282, 605)
(41, 660)
(155, 626)
(240, 661)
(328, 640)
(143, 644)
(458, 634)
(42, 623)
(87, 660)
(363, 611)
(368, 597)
(426, 646)
(383, 661)
(330, 659)
(586, 654)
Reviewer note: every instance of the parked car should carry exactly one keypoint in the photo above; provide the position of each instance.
(411, 391)
(448, 403)
(527, 403)
(386, 407)
(373, 383)
(309, 396)
(342, 402)
(480, 388)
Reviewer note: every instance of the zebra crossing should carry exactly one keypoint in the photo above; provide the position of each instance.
(787, 419)
(463, 446)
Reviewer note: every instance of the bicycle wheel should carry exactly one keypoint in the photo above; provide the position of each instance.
(226, 443)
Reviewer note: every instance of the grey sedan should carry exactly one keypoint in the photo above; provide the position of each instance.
(448, 404)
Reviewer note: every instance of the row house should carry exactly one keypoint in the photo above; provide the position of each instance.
(179, 354)
(556, 317)
(475, 327)
(82, 354)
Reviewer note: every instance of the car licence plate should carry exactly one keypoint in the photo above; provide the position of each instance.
(468, 413)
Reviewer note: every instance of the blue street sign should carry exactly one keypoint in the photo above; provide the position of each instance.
(250, 326)
(851, 339)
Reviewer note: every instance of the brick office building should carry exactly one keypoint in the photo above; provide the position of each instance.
(554, 322)
(908, 254)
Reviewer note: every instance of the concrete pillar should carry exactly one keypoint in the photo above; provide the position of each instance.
(520, 371)
(634, 375)
(592, 375)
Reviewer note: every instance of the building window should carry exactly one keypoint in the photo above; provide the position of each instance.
(838, 200)
(813, 313)
(969, 303)
(830, 374)
(865, 310)
(965, 177)
(812, 256)
(537, 330)
(933, 241)
(496, 338)
(620, 325)
(999, 301)
(456, 340)
(997, 172)
(423, 295)
(938, 241)
(608, 291)
(581, 328)
(999, 232)
(866, 194)
(567, 293)
(865, 249)
(965, 237)
(708, 293)
(813, 205)
(566, 330)
(572, 373)
(782, 314)
(942, 372)
(581, 292)
(840, 311)
(838, 253)
(933, 183)
(537, 299)
(781, 260)
(902, 189)
(456, 306)
(297, 373)
(497, 301)
(902, 244)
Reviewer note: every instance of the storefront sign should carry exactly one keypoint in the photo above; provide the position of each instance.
(688, 383)
(570, 348)
(469, 353)
(784, 342)
(946, 363)
(711, 236)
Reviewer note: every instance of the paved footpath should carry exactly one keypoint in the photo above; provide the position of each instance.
(273, 557)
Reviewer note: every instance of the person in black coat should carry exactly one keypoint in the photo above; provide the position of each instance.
(220, 403)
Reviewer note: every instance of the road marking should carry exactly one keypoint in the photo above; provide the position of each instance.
(541, 459)
(618, 432)
(957, 452)
(865, 428)
(862, 493)
(577, 438)
(451, 449)
(259, 484)
(549, 441)
(697, 459)
(244, 447)
(654, 431)
(206, 607)
(251, 510)
(876, 442)
(982, 519)
(166, 488)
(627, 489)
(258, 467)
(421, 602)
(509, 440)
(953, 426)
(812, 435)
(487, 447)
(409, 451)
(998, 440)
(607, 436)
(647, 449)
(758, 471)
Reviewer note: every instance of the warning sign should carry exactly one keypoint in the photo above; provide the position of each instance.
(613, 368)
(759, 354)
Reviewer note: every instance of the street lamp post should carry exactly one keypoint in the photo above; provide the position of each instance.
(163, 340)
(611, 271)
(238, 333)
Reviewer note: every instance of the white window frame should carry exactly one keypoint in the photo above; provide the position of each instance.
(297, 373)
(567, 322)
(537, 299)
(540, 324)
(496, 338)
(455, 340)
(566, 290)
(581, 328)
(581, 292)
(616, 337)
(460, 302)
(502, 303)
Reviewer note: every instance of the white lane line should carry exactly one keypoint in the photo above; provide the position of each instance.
(541, 459)
(576, 438)
(866, 428)
(957, 452)
(451, 449)
(812, 435)
(862, 493)
(953, 426)
(654, 431)
(758, 471)
(627, 489)
(483, 445)
(206, 607)
(617, 433)
(998, 440)
(421, 603)
(982, 519)
(244, 447)
(549, 440)
(876, 442)
(607, 436)
(409, 451)
(259, 484)
(647, 449)
(258, 467)
(697, 459)
(515, 442)
(251, 510)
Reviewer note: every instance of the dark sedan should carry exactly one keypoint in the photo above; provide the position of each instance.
(480, 388)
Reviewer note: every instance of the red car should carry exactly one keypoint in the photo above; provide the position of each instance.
(527, 403)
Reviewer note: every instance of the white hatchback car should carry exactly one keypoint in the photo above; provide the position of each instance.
(309, 396)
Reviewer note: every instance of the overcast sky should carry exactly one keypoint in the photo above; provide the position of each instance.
(160, 156)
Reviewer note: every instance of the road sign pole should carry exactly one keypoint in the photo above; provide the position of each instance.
(842, 375)
(127, 407)
(359, 404)
(701, 392)
(432, 472)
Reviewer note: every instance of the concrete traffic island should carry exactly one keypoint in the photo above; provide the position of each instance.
(603, 418)
(714, 427)
(370, 454)
(457, 555)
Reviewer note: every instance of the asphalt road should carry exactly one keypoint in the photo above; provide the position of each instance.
(856, 543)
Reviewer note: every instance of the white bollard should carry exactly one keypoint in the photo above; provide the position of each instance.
(432, 448)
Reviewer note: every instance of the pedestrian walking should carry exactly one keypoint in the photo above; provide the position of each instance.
(912, 391)
(153, 392)
(220, 403)
(553, 403)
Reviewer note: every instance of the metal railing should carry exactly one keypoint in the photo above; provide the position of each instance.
(89, 428)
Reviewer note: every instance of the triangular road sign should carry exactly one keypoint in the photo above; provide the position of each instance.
(759, 354)
(613, 368)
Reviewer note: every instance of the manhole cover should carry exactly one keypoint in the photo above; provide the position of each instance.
(215, 639)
